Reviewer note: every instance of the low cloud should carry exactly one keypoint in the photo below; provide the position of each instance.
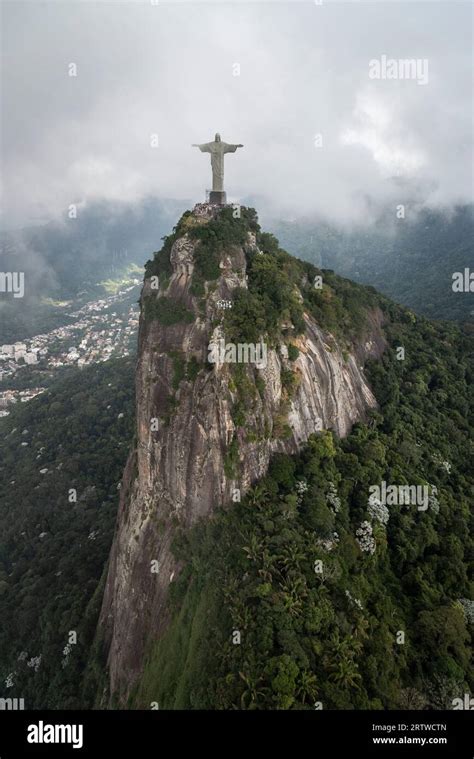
(169, 69)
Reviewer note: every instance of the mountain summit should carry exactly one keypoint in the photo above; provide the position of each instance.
(274, 401)
(206, 429)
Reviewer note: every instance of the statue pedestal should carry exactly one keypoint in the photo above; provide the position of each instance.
(217, 198)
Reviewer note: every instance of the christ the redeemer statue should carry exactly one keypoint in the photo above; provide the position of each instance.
(217, 150)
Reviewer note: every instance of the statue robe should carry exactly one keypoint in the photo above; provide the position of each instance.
(217, 151)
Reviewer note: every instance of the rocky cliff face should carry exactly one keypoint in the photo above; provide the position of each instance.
(192, 455)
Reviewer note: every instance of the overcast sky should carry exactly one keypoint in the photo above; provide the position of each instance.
(168, 69)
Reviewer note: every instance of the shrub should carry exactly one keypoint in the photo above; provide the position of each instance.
(293, 352)
(167, 311)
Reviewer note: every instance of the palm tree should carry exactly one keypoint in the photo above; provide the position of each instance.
(345, 672)
(293, 557)
(240, 614)
(293, 592)
(268, 562)
(257, 495)
(306, 686)
(252, 692)
(254, 549)
(361, 627)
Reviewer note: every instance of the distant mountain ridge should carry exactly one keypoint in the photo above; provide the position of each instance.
(411, 260)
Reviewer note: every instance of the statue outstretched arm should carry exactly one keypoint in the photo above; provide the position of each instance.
(231, 148)
(204, 148)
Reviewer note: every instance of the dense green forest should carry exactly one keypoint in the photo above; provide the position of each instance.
(411, 260)
(61, 460)
(309, 594)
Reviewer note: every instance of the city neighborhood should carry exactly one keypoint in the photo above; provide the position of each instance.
(100, 329)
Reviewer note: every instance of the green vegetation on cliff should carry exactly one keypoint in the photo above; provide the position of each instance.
(304, 595)
(167, 311)
(280, 288)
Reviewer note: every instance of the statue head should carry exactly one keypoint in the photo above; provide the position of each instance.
(217, 137)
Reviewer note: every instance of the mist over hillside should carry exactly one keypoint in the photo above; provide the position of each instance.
(69, 261)
(411, 260)
(65, 256)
